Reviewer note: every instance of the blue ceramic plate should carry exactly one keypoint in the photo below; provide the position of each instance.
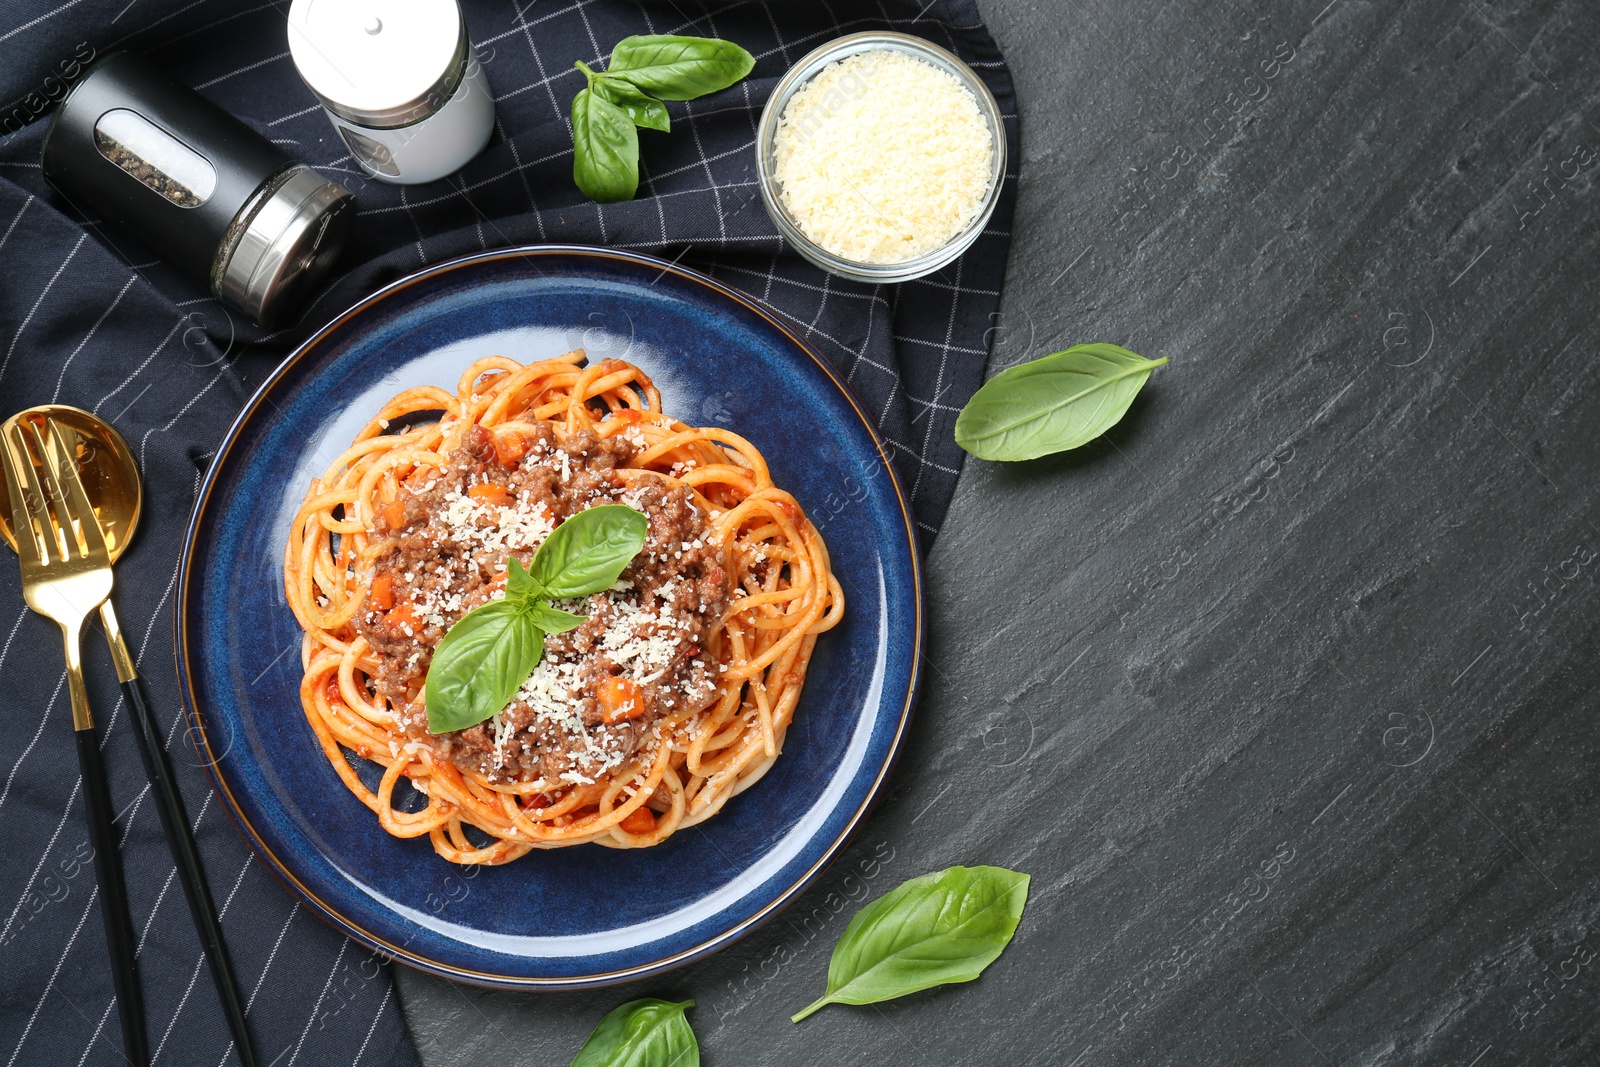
(586, 915)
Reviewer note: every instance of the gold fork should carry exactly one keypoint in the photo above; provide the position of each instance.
(66, 575)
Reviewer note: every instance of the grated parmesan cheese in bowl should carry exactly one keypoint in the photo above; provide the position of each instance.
(881, 157)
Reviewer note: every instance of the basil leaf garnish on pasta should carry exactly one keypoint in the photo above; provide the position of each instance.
(554, 620)
(589, 551)
(642, 1033)
(1052, 404)
(480, 665)
(520, 585)
(492, 649)
(934, 930)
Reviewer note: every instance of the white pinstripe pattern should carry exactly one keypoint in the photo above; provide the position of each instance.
(101, 1025)
(295, 114)
(382, 1004)
(27, 887)
(238, 880)
(88, 906)
(294, 912)
(48, 286)
(248, 67)
(6, 651)
(194, 973)
(152, 25)
(154, 910)
(31, 23)
(200, 961)
(205, 805)
(97, 323)
(344, 946)
(145, 440)
(139, 369)
(34, 740)
(20, 212)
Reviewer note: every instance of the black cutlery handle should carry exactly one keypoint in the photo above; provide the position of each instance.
(113, 899)
(169, 803)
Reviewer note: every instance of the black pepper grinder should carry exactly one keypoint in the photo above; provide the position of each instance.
(196, 185)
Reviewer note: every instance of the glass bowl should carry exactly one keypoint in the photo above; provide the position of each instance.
(808, 68)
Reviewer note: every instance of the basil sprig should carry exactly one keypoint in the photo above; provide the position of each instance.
(605, 158)
(641, 110)
(930, 931)
(492, 649)
(642, 1033)
(679, 68)
(643, 72)
(1052, 404)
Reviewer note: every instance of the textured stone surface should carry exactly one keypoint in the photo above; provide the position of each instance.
(1284, 691)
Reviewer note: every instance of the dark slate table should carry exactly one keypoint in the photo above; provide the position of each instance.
(1284, 691)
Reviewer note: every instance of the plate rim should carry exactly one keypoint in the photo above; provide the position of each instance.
(201, 741)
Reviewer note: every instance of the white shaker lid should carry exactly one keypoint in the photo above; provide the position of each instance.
(379, 63)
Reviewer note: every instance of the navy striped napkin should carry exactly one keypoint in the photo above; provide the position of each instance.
(89, 318)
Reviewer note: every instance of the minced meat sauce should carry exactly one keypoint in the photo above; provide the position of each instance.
(455, 527)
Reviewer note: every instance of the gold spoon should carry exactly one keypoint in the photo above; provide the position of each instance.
(111, 482)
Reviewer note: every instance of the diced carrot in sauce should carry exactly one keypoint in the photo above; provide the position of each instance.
(394, 514)
(490, 493)
(405, 614)
(640, 820)
(510, 447)
(620, 699)
(382, 595)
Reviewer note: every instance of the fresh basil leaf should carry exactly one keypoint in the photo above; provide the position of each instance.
(1052, 404)
(605, 149)
(586, 553)
(643, 110)
(480, 665)
(642, 1033)
(679, 68)
(554, 620)
(520, 585)
(933, 930)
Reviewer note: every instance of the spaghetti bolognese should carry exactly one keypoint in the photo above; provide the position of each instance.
(674, 693)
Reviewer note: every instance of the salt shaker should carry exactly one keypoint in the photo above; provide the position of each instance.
(399, 81)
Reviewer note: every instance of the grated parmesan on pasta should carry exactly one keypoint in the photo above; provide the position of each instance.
(882, 157)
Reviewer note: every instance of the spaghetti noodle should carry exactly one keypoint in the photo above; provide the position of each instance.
(672, 698)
